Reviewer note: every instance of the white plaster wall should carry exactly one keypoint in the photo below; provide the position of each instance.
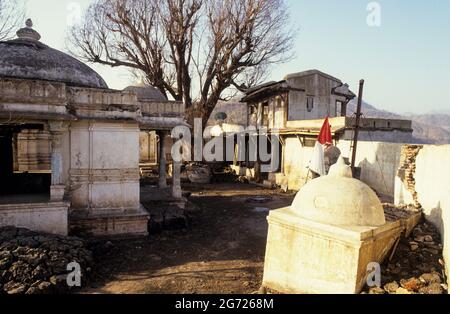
(296, 161)
(379, 162)
(44, 217)
(104, 166)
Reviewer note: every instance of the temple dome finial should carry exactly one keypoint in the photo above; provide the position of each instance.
(29, 23)
(28, 32)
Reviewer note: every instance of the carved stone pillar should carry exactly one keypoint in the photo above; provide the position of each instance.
(57, 187)
(176, 180)
(162, 160)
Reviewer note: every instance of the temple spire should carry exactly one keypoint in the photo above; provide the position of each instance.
(28, 32)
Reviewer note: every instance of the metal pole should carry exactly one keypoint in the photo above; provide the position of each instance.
(356, 128)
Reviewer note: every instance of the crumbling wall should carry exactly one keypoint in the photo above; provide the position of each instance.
(424, 180)
(406, 188)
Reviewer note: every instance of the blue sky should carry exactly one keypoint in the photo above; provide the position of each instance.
(405, 61)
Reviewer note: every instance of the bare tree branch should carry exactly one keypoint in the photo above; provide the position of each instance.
(197, 51)
(12, 18)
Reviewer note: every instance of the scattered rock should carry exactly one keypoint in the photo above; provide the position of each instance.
(33, 290)
(402, 291)
(417, 264)
(434, 288)
(376, 290)
(34, 263)
(430, 278)
(431, 251)
(411, 284)
(391, 287)
(199, 173)
(14, 288)
(44, 286)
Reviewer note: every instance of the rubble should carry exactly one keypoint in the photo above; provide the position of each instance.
(416, 267)
(198, 173)
(36, 263)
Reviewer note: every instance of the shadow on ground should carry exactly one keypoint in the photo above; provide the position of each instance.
(221, 251)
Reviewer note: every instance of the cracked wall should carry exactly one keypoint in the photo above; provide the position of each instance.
(423, 180)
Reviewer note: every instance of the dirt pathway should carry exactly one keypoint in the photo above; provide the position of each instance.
(221, 252)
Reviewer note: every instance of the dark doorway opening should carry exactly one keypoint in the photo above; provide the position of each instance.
(14, 183)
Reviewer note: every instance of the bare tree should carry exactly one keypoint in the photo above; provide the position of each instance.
(197, 51)
(11, 17)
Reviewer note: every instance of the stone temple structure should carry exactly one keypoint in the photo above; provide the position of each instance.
(326, 240)
(69, 145)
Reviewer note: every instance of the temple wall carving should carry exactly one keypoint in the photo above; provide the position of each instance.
(32, 151)
(104, 166)
(30, 95)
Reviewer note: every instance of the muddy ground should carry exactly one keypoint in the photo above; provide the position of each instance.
(222, 251)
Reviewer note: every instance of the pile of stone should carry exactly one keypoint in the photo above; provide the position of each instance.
(416, 267)
(35, 263)
(198, 173)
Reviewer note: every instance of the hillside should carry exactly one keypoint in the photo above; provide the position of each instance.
(430, 128)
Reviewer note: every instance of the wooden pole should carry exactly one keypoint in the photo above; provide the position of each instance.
(356, 128)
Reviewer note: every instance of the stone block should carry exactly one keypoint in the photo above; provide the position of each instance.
(45, 217)
(57, 192)
(303, 256)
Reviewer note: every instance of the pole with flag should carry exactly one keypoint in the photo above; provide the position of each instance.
(317, 163)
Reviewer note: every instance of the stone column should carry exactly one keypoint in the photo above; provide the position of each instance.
(162, 160)
(57, 186)
(176, 180)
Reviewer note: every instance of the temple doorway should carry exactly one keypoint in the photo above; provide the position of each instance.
(25, 174)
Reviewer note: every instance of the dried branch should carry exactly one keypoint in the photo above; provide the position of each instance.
(197, 51)
(12, 18)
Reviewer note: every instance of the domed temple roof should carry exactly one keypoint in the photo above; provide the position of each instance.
(27, 58)
(147, 92)
(338, 199)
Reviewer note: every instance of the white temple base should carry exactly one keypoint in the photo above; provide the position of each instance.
(118, 223)
(49, 217)
(303, 256)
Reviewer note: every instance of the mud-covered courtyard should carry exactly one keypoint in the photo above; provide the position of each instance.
(222, 250)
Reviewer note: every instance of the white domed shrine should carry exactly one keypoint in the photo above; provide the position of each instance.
(70, 146)
(339, 199)
(324, 242)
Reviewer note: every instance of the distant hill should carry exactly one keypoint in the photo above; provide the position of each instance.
(432, 128)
